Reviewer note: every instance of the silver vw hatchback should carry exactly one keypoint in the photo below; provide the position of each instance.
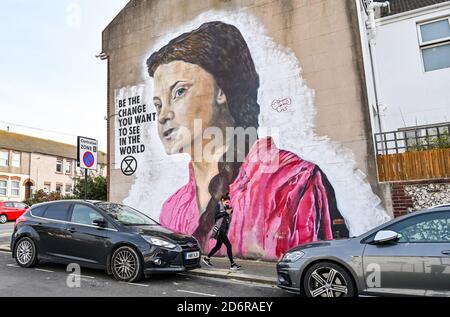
(408, 256)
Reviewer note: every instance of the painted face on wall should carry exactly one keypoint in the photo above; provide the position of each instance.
(183, 93)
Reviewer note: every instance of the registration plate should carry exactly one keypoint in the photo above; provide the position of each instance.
(192, 255)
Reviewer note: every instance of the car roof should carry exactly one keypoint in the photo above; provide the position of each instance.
(93, 202)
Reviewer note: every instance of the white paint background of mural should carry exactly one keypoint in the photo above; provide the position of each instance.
(159, 175)
(125, 93)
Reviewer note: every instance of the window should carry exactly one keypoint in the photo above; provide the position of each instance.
(428, 228)
(3, 187)
(20, 205)
(15, 159)
(15, 188)
(84, 215)
(434, 38)
(47, 188)
(68, 189)
(9, 205)
(57, 211)
(68, 167)
(125, 215)
(4, 160)
(59, 165)
(39, 211)
(59, 188)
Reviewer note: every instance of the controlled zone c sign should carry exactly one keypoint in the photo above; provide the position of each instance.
(87, 153)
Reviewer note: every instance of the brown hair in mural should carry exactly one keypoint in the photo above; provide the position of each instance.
(209, 74)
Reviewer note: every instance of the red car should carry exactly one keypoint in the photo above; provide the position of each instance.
(11, 210)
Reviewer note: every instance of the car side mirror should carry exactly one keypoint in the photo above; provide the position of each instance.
(386, 236)
(100, 223)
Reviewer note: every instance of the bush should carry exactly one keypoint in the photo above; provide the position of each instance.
(41, 197)
(441, 142)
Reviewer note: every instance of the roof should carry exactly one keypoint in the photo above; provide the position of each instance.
(400, 6)
(30, 144)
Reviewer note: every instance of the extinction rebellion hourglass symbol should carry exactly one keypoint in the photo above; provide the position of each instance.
(129, 166)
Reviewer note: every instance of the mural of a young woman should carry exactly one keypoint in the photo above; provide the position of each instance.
(209, 75)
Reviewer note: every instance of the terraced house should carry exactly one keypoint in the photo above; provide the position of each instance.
(28, 164)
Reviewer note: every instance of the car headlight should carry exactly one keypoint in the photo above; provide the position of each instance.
(160, 242)
(293, 256)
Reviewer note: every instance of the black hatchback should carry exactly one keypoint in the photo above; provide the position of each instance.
(103, 235)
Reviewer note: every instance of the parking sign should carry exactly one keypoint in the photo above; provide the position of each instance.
(87, 153)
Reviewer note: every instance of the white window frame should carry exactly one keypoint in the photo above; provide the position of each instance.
(15, 188)
(68, 191)
(430, 44)
(61, 188)
(7, 158)
(68, 164)
(19, 155)
(5, 188)
(49, 187)
(58, 160)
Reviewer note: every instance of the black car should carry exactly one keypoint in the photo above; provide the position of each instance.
(118, 238)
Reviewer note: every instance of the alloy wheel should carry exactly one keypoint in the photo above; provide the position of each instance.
(25, 252)
(125, 264)
(3, 219)
(327, 282)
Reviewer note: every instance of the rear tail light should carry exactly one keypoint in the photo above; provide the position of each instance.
(19, 220)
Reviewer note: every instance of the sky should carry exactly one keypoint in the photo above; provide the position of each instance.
(50, 79)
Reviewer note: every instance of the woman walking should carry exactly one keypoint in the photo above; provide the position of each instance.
(223, 220)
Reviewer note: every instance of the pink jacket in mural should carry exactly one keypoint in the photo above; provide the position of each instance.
(279, 201)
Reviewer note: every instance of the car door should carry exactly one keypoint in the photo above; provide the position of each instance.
(89, 243)
(51, 228)
(20, 209)
(418, 263)
(10, 211)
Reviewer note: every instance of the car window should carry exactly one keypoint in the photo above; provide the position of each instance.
(58, 211)
(20, 205)
(9, 205)
(431, 227)
(84, 215)
(125, 215)
(38, 211)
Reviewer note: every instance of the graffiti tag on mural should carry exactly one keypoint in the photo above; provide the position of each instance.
(281, 105)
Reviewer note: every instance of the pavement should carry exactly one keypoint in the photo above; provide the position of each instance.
(260, 272)
(50, 280)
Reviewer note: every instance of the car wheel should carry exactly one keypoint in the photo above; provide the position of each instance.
(327, 279)
(3, 219)
(126, 265)
(25, 253)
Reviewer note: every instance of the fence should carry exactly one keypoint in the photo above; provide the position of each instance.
(404, 140)
(414, 165)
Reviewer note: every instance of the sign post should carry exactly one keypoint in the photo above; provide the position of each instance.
(87, 157)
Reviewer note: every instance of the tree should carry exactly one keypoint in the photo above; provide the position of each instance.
(96, 189)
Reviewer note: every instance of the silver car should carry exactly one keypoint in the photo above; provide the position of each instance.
(408, 256)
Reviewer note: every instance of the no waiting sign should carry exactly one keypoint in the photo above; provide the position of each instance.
(87, 153)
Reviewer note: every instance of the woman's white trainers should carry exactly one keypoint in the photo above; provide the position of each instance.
(235, 267)
(207, 262)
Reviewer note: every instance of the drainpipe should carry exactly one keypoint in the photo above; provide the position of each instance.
(372, 27)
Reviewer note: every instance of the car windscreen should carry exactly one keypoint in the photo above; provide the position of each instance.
(125, 215)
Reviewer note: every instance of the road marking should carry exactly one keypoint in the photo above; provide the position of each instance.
(1, 251)
(46, 271)
(2, 235)
(136, 284)
(12, 265)
(196, 293)
(85, 276)
(234, 281)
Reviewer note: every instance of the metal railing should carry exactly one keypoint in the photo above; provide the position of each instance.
(411, 139)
